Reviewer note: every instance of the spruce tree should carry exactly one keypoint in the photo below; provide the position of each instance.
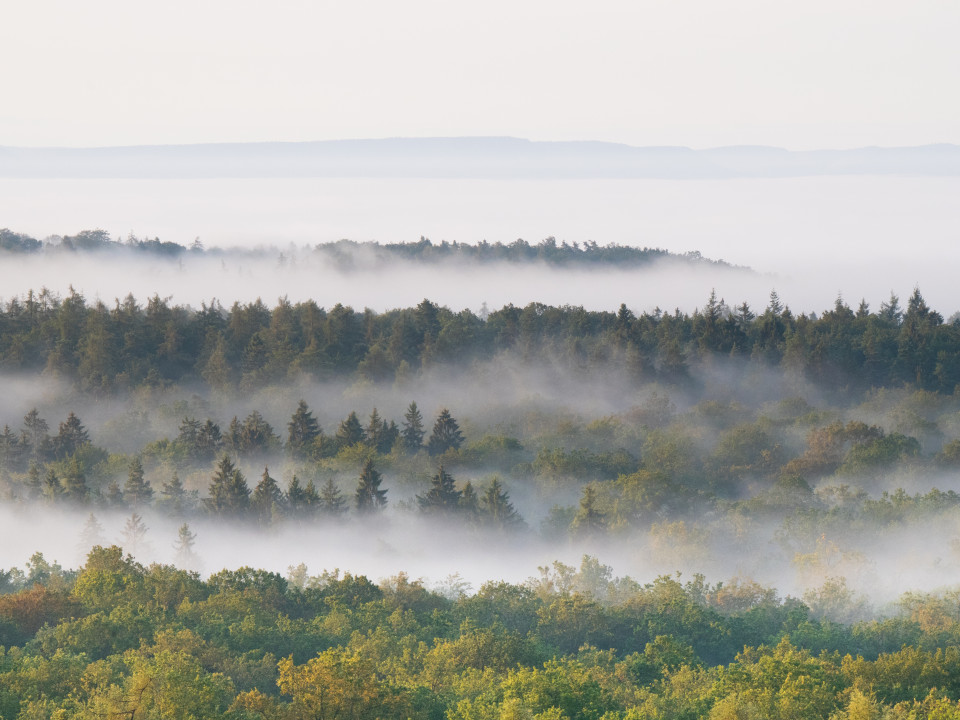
(446, 434)
(52, 489)
(332, 502)
(311, 499)
(74, 482)
(134, 535)
(296, 498)
(71, 436)
(350, 432)
(413, 431)
(267, 499)
(229, 493)
(443, 495)
(174, 497)
(369, 496)
(90, 535)
(497, 509)
(183, 548)
(137, 491)
(302, 430)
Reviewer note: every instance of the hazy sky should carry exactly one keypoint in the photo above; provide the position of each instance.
(643, 72)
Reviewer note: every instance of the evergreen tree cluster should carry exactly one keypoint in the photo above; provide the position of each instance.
(107, 349)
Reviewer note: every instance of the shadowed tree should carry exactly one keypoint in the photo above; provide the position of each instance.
(229, 493)
(446, 434)
(267, 500)
(443, 496)
(74, 482)
(496, 508)
(350, 432)
(137, 491)
(413, 432)
(71, 436)
(302, 430)
(369, 496)
(332, 502)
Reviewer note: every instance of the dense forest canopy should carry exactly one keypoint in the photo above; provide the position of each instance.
(118, 639)
(249, 345)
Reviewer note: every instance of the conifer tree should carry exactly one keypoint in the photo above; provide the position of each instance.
(74, 482)
(469, 503)
(350, 432)
(183, 548)
(34, 483)
(267, 499)
(311, 499)
(446, 434)
(589, 520)
(497, 508)
(137, 491)
(113, 498)
(175, 498)
(134, 535)
(302, 430)
(52, 489)
(413, 431)
(229, 493)
(90, 535)
(375, 429)
(369, 496)
(332, 502)
(443, 495)
(296, 498)
(71, 436)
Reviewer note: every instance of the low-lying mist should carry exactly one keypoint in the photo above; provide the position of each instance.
(723, 475)
(811, 238)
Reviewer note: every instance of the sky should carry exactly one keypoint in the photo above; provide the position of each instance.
(698, 73)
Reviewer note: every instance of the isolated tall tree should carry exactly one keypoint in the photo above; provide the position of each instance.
(413, 431)
(302, 430)
(446, 434)
(137, 491)
(184, 555)
(134, 534)
(369, 496)
(91, 534)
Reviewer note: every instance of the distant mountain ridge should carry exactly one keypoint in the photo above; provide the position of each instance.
(472, 157)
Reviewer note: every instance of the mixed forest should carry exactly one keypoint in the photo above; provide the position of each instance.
(805, 463)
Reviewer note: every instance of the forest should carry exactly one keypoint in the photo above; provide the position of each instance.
(774, 480)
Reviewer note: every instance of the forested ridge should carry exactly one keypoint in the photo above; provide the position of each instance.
(106, 348)
(345, 254)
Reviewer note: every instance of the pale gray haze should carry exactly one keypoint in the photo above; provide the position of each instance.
(631, 77)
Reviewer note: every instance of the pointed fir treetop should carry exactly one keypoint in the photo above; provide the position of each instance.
(369, 496)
